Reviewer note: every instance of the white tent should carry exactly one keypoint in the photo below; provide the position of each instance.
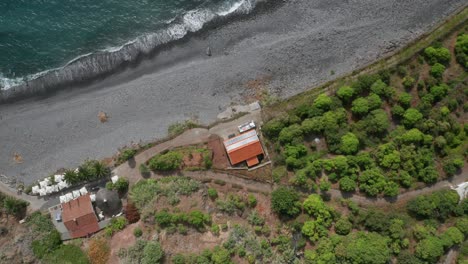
(55, 188)
(42, 192)
(92, 197)
(49, 189)
(114, 179)
(63, 199)
(58, 178)
(43, 184)
(35, 189)
(62, 185)
(83, 191)
(47, 180)
(76, 194)
(69, 196)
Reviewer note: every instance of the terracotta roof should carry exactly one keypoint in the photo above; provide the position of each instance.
(252, 161)
(244, 147)
(79, 217)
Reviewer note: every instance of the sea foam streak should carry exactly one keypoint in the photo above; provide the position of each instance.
(92, 65)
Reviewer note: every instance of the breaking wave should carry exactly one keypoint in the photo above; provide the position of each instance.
(94, 65)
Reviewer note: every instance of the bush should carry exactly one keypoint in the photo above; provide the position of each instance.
(231, 204)
(285, 201)
(437, 55)
(116, 224)
(437, 70)
(152, 253)
(347, 184)
(430, 249)
(288, 134)
(349, 143)
(438, 205)
(121, 185)
(345, 93)
(462, 225)
(14, 206)
(452, 236)
(411, 117)
(461, 50)
(67, 254)
(126, 155)
(408, 82)
(405, 99)
(137, 232)
(98, 251)
(272, 128)
(47, 244)
(166, 162)
(215, 229)
(360, 106)
(251, 200)
(323, 101)
(343, 226)
(212, 193)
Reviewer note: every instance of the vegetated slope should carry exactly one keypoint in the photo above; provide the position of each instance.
(396, 129)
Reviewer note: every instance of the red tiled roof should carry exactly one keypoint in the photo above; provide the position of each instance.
(244, 147)
(79, 217)
(252, 161)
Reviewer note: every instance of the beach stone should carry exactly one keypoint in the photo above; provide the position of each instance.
(208, 51)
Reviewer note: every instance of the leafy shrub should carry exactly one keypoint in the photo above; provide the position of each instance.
(323, 101)
(137, 232)
(437, 205)
(437, 70)
(152, 253)
(144, 170)
(166, 162)
(347, 184)
(116, 224)
(404, 99)
(461, 49)
(437, 55)
(408, 82)
(68, 254)
(251, 200)
(255, 219)
(272, 128)
(430, 249)
(285, 201)
(343, 226)
(212, 193)
(411, 117)
(126, 155)
(289, 134)
(349, 143)
(360, 106)
(13, 206)
(121, 185)
(231, 204)
(345, 93)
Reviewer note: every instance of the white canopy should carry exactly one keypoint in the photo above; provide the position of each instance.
(76, 194)
(35, 189)
(69, 196)
(83, 191)
(49, 189)
(42, 192)
(58, 178)
(92, 197)
(115, 178)
(63, 199)
(62, 185)
(55, 188)
(43, 184)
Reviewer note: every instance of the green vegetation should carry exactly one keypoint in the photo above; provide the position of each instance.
(179, 128)
(392, 132)
(145, 191)
(285, 202)
(121, 185)
(166, 162)
(67, 254)
(126, 155)
(461, 50)
(90, 170)
(116, 224)
(147, 252)
(13, 206)
(195, 219)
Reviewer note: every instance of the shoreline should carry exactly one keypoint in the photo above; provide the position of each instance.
(110, 63)
(295, 45)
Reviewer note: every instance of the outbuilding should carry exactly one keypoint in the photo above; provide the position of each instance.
(244, 147)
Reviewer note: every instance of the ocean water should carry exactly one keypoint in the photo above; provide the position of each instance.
(61, 40)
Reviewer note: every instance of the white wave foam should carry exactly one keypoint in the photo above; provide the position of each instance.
(191, 21)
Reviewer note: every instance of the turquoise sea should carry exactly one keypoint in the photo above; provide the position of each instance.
(74, 38)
